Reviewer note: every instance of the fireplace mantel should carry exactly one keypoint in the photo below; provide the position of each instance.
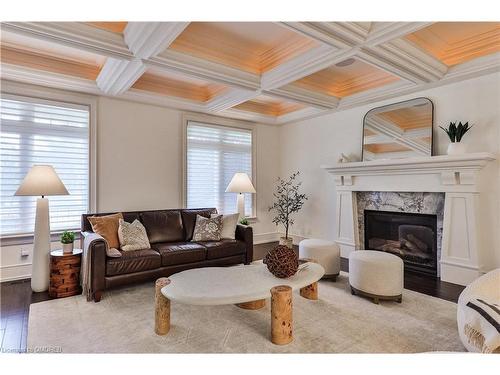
(413, 165)
(443, 173)
(468, 232)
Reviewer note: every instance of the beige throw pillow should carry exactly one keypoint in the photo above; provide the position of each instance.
(107, 227)
(207, 229)
(229, 223)
(132, 236)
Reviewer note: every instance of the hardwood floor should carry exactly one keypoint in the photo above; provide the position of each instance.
(16, 296)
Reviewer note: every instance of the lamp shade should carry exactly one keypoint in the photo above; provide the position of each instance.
(240, 183)
(41, 180)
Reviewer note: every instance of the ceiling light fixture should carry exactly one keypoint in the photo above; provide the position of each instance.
(345, 62)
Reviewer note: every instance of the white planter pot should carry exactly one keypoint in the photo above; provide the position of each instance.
(67, 248)
(288, 242)
(456, 148)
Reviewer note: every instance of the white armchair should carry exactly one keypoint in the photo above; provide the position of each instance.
(486, 287)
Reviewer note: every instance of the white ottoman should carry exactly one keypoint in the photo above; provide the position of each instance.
(376, 274)
(326, 253)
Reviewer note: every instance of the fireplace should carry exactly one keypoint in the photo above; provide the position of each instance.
(411, 236)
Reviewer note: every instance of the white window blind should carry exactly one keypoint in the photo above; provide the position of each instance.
(214, 155)
(36, 131)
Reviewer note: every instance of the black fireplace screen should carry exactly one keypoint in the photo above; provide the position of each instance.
(413, 237)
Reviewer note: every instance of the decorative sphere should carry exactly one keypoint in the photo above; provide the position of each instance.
(282, 262)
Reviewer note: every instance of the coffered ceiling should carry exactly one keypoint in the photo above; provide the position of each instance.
(261, 71)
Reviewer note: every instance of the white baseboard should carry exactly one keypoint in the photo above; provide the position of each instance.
(14, 272)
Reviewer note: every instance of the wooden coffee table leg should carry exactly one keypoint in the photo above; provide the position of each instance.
(252, 305)
(281, 315)
(162, 308)
(310, 291)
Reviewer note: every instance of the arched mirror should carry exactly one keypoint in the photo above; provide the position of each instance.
(399, 130)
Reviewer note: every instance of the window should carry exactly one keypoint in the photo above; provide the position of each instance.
(214, 155)
(35, 131)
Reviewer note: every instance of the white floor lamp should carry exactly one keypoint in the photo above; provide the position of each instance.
(41, 180)
(240, 183)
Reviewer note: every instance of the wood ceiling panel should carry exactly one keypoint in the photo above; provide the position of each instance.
(457, 42)
(409, 118)
(48, 63)
(180, 87)
(255, 47)
(379, 148)
(342, 81)
(269, 106)
(115, 27)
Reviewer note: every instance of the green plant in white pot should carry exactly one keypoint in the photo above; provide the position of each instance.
(67, 241)
(288, 202)
(455, 133)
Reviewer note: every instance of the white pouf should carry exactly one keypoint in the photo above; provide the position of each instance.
(376, 274)
(326, 253)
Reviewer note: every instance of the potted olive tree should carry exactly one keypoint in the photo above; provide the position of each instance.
(67, 240)
(455, 133)
(288, 202)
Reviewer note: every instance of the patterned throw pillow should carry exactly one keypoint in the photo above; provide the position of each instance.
(132, 236)
(207, 229)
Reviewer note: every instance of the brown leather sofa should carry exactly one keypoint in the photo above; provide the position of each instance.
(170, 233)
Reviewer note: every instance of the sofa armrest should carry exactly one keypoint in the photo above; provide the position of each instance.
(97, 249)
(245, 233)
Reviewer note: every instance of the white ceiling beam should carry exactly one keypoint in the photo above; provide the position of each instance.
(386, 128)
(337, 35)
(297, 115)
(403, 62)
(303, 65)
(382, 32)
(177, 62)
(163, 100)
(376, 94)
(117, 76)
(473, 68)
(230, 98)
(47, 79)
(146, 39)
(300, 95)
(409, 134)
(73, 34)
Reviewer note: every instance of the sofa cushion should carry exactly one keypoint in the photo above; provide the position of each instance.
(133, 261)
(163, 226)
(189, 220)
(224, 248)
(180, 253)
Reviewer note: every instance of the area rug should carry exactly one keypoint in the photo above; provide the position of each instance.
(123, 322)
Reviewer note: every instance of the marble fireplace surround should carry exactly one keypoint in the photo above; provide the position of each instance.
(468, 233)
(409, 202)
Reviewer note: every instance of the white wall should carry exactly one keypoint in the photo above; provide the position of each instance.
(139, 157)
(139, 166)
(308, 144)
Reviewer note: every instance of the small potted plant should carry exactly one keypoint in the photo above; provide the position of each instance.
(455, 133)
(244, 221)
(288, 202)
(67, 240)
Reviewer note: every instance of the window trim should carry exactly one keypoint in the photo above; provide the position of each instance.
(48, 95)
(218, 122)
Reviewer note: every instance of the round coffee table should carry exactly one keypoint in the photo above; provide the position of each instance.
(245, 286)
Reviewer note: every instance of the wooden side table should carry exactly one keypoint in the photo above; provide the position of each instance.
(65, 273)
